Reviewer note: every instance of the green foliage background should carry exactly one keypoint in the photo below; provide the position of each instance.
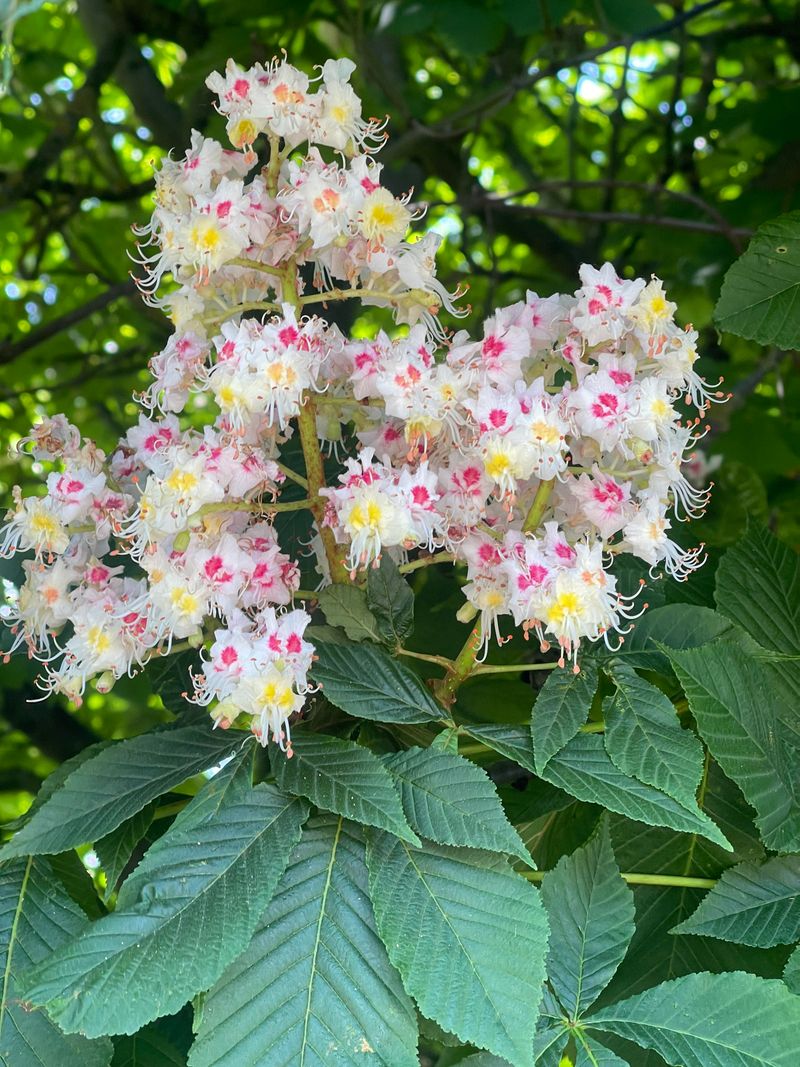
(541, 134)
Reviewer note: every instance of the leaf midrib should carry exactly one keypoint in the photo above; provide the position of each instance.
(158, 930)
(318, 938)
(13, 940)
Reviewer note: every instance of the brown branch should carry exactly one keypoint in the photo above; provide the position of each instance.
(453, 125)
(83, 103)
(665, 221)
(11, 350)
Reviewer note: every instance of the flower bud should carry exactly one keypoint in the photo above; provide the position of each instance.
(181, 542)
(104, 683)
(467, 612)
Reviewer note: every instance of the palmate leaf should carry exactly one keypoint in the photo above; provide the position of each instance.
(758, 587)
(342, 777)
(36, 918)
(761, 291)
(364, 681)
(656, 954)
(451, 801)
(187, 910)
(106, 790)
(314, 987)
(561, 708)
(391, 601)
(591, 1053)
(584, 769)
(710, 1020)
(346, 606)
(468, 936)
(727, 692)
(549, 1043)
(115, 849)
(674, 625)
(752, 905)
(644, 738)
(513, 742)
(591, 915)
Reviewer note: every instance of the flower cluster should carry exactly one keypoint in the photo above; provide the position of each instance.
(533, 454)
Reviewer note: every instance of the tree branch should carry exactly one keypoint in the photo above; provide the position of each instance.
(11, 350)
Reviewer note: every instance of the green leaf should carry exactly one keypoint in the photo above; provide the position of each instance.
(186, 912)
(656, 954)
(106, 790)
(710, 1020)
(147, 1048)
(342, 777)
(726, 691)
(70, 870)
(591, 915)
(54, 781)
(314, 986)
(549, 1044)
(391, 601)
(446, 741)
(170, 678)
(513, 742)
(675, 625)
(346, 606)
(760, 292)
(36, 918)
(591, 1053)
(451, 801)
(791, 972)
(644, 738)
(752, 905)
(561, 708)
(364, 681)
(584, 769)
(758, 587)
(115, 849)
(449, 918)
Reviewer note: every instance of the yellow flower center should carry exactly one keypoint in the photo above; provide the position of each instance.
(181, 481)
(243, 132)
(184, 602)
(564, 605)
(543, 431)
(97, 640)
(366, 516)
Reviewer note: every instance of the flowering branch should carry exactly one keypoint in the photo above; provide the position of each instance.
(574, 402)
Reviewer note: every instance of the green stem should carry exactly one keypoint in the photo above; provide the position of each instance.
(460, 669)
(293, 475)
(346, 294)
(426, 561)
(508, 668)
(636, 878)
(315, 472)
(251, 264)
(538, 507)
(440, 661)
(245, 505)
(250, 305)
